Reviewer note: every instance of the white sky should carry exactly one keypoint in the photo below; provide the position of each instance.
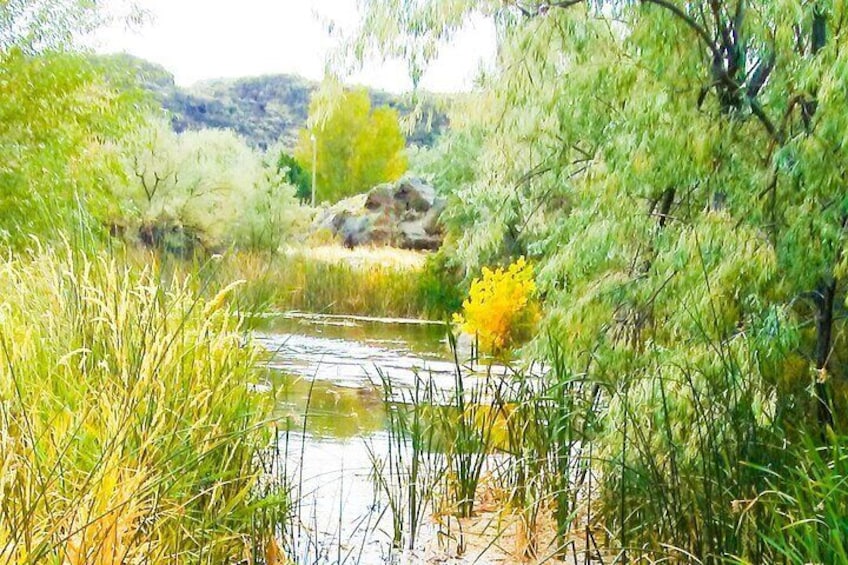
(203, 39)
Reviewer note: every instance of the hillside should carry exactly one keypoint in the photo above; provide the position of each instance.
(263, 109)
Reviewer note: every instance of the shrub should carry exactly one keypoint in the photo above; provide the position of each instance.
(501, 309)
(439, 286)
(60, 121)
(295, 175)
(207, 183)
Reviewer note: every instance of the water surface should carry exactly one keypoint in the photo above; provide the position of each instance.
(329, 375)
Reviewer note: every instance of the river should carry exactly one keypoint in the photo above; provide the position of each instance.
(330, 374)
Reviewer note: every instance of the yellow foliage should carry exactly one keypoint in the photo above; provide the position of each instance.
(501, 309)
(106, 526)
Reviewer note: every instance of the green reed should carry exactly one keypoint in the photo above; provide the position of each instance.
(128, 428)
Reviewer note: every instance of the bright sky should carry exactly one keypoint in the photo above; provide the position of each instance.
(203, 39)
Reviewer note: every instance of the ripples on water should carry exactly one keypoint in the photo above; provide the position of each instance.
(328, 372)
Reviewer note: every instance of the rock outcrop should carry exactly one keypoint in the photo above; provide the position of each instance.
(404, 214)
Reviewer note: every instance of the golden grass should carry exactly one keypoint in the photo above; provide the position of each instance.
(325, 279)
(127, 430)
(329, 281)
(362, 257)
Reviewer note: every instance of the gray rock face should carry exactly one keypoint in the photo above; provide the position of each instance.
(404, 214)
(413, 194)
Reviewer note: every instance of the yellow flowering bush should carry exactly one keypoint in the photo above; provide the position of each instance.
(501, 309)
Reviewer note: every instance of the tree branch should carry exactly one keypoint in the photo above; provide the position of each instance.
(758, 111)
(687, 19)
(761, 75)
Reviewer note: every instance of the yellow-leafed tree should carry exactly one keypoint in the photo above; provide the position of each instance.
(355, 147)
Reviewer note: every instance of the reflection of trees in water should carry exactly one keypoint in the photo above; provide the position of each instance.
(330, 410)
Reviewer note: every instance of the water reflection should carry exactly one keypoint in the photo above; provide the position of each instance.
(328, 374)
(331, 376)
(424, 339)
(359, 354)
(327, 409)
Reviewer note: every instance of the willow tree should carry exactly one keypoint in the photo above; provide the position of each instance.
(203, 187)
(37, 26)
(678, 170)
(60, 121)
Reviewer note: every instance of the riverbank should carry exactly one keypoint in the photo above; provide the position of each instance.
(361, 257)
(382, 282)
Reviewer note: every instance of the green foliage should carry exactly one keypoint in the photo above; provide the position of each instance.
(296, 176)
(439, 285)
(35, 26)
(357, 148)
(60, 125)
(676, 170)
(809, 506)
(452, 161)
(206, 189)
(61, 121)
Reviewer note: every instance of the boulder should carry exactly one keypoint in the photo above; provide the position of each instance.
(432, 219)
(380, 197)
(354, 230)
(414, 236)
(414, 194)
(404, 214)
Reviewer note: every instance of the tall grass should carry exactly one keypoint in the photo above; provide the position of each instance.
(516, 431)
(298, 282)
(467, 425)
(407, 475)
(700, 474)
(275, 282)
(547, 417)
(128, 429)
(685, 443)
(690, 466)
(803, 515)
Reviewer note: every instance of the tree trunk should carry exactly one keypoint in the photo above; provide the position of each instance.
(825, 302)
